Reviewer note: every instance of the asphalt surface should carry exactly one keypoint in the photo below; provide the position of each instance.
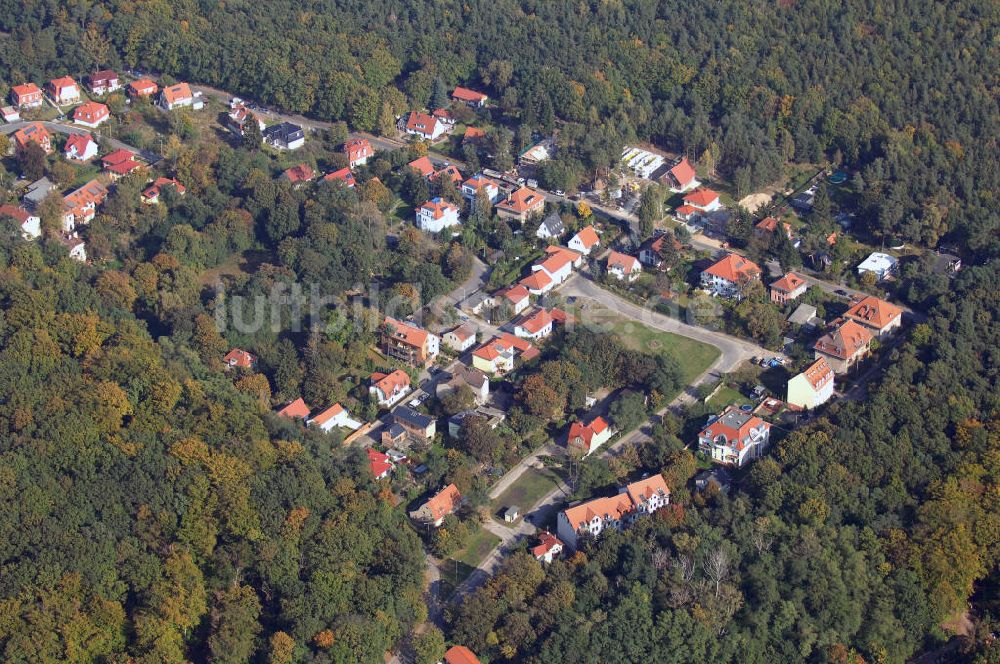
(61, 128)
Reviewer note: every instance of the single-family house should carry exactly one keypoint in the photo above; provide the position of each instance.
(75, 247)
(681, 177)
(469, 97)
(473, 135)
(534, 325)
(735, 437)
(529, 160)
(813, 387)
(425, 126)
(299, 174)
(497, 355)
(492, 417)
(284, 136)
(343, 175)
(879, 264)
(26, 95)
(393, 434)
(239, 116)
(729, 275)
(552, 227)
(409, 343)
(144, 87)
(380, 464)
(521, 205)
(423, 165)
(91, 114)
(651, 252)
(81, 147)
(36, 192)
(548, 548)
(585, 241)
(686, 213)
(104, 81)
(120, 163)
(34, 132)
(516, 296)
(558, 264)
(460, 655)
(461, 337)
(63, 90)
(623, 267)
(436, 215)
(418, 425)
(586, 438)
(703, 200)
(80, 206)
(844, 346)
(788, 288)
(480, 183)
(151, 195)
(389, 388)
(295, 409)
(29, 222)
(10, 114)
(537, 283)
(444, 115)
(239, 359)
(358, 151)
(878, 316)
(469, 377)
(616, 512)
(176, 96)
(768, 226)
(334, 416)
(438, 506)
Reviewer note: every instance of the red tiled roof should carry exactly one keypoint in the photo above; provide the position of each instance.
(626, 262)
(239, 357)
(301, 173)
(685, 210)
(643, 490)
(421, 122)
(176, 93)
(536, 321)
(444, 502)
(59, 84)
(79, 142)
(514, 294)
(378, 462)
(357, 148)
(19, 214)
(788, 283)
(25, 89)
(559, 257)
(408, 334)
(423, 166)
(465, 94)
(473, 134)
(153, 191)
(615, 507)
(438, 207)
(844, 341)
(297, 408)
(328, 414)
(701, 198)
(344, 175)
(460, 655)
(683, 172)
(586, 432)
(873, 312)
(391, 383)
(34, 132)
(588, 237)
(819, 373)
(734, 268)
(143, 86)
(117, 157)
(90, 111)
(547, 542)
(451, 170)
(538, 280)
(720, 427)
(523, 200)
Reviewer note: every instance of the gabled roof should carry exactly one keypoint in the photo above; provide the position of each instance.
(78, 142)
(734, 268)
(554, 224)
(559, 257)
(19, 214)
(378, 462)
(391, 383)
(413, 418)
(153, 191)
(465, 94)
(588, 237)
(504, 343)
(819, 373)
(327, 415)
(102, 76)
(422, 165)
(408, 334)
(702, 197)
(301, 173)
(640, 492)
(844, 341)
(537, 280)
(60, 84)
(297, 408)
(444, 502)
(624, 261)
(239, 357)
(522, 200)
(356, 147)
(26, 89)
(536, 321)
(117, 157)
(450, 171)
(90, 111)
(515, 293)
(873, 312)
(734, 425)
(344, 175)
(770, 224)
(460, 655)
(473, 134)
(586, 432)
(143, 85)
(683, 173)
(177, 92)
(685, 210)
(421, 122)
(437, 207)
(34, 132)
(612, 507)
(478, 181)
(546, 542)
(463, 332)
(788, 283)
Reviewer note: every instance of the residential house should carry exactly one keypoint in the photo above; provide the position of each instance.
(469, 97)
(284, 136)
(334, 416)
(717, 476)
(380, 464)
(91, 114)
(444, 115)
(497, 355)
(358, 151)
(37, 192)
(10, 114)
(473, 135)
(469, 377)
(703, 200)
(409, 343)
(461, 337)
(559, 264)
(681, 177)
(616, 512)
(144, 87)
(425, 126)
(29, 223)
(423, 165)
(80, 206)
(878, 316)
(844, 346)
(584, 241)
(177, 96)
(63, 91)
(804, 314)
(491, 416)
(529, 160)
(343, 175)
(299, 174)
(477, 183)
(686, 213)
(879, 264)
(651, 252)
(238, 117)
(239, 359)
(548, 548)
(552, 227)
(728, 276)
(103, 82)
(26, 95)
(521, 205)
(389, 388)
(120, 163)
(623, 267)
(586, 438)
(34, 132)
(460, 655)
(516, 296)
(295, 409)
(768, 226)
(735, 437)
(438, 506)
(81, 147)
(788, 288)
(537, 283)
(75, 247)
(418, 425)
(151, 195)
(535, 325)
(393, 435)
(436, 215)
(813, 387)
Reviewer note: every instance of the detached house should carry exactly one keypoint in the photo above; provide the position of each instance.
(734, 438)
(103, 82)
(142, 88)
(418, 425)
(813, 387)
(615, 512)
(728, 276)
(517, 297)
(80, 206)
(477, 183)
(120, 163)
(80, 147)
(240, 359)
(29, 223)
(423, 165)
(296, 410)
(788, 288)
(768, 226)
(343, 175)
(877, 316)
(409, 343)
(436, 215)
(238, 117)
(521, 205)
(389, 388)
(299, 174)
(879, 264)
(91, 114)
(651, 251)
(334, 416)
(586, 438)
(844, 346)
(285, 136)
(151, 196)
(63, 90)
(558, 265)
(358, 151)
(469, 377)
(537, 283)
(425, 126)
(438, 506)
(26, 95)
(681, 177)
(585, 241)
(461, 338)
(36, 133)
(535, 325)
(548, 549)
(703, 200)
(497, 355)
(380, 464)
(551, 227)
(469, 97)
(623, 267)
(177, 96)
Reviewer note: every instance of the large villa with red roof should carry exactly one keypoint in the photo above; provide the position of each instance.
(593, 517)
(727, 276)
(734, 438)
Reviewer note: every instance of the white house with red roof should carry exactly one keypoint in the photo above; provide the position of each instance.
(534, 325)
(104, 81)
(63, 90)
(729, 275)
(460, 338)
(91, 114)
(548, 548)
(813, 387)
(344, 175)
(334, 416)
(80, 147)
(26, 95)
(436, 215)
(80, 206)
(29, 222)
(407, 342)
(537, 283)
(380, 464)
(703, 200)
(144, 87)
(593, 517)
(516, 296)
(586, 438)
(177, 96)
(299, 174)
(425, 126)
(423, 165)
(585, 241)
(238, 117)
(521, 205)
(358, 151)
(239, 359)
(623, 267)
(477, 183)
(389, 388)
(33, 132)
(788, 288)
(735, 437)
(120, 163)
(469, 97)
(558, 265)
(681, 177)
(497, 355)
(151, 195)
(844, 346)
(438, 506)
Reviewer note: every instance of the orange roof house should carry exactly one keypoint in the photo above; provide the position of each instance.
(409, 343)
(460, 655)
(34, 132)
(438, 506)
(473, 134)
(470, 97)
(389, 388)
(177, 95)
(588, 437)
(422, 165)
(844, 346)
(90, 114)
(64, 90)
(878, 316)
(298, 174)
(152, 193)
(585, 240)
(379, 463)
(358, 150)
(788, 288)
(537, 283)
(681, 176)
(727, 276)
(297, 408)
(521, 205)
(240, 358)
(703, 199)
(144, 87)
(26, 95)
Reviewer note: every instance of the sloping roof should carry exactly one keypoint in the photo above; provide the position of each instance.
(473, 134)
(734, 425)
(413, 418)
(535, 321)
(408, 334)
(143, 85)
(554, 224)
(844, 341)
(460, 655)
(25, 89)
(451, 171)
(344, 175)
(522, 200)
(90, 111)
(624, 261)
(734, 268)
(117, 157)
(537, 280)
(297, 408)
(788, 283)
(588, 237)
(873, 312)
(19, 214)
(515, 293)
(378, 462)
(58, 84)
(641, 491)
(702, 197)
(421, 122)
(465, 94)
(444, 502)
(547, 542)
(328, 414)
(438, 207)
(614, 507)
(559, 257)
(423, 166)
(177, 92)
(239, 357)
(464, 331)
(586, 432)
(78, 142)
(819, 373)
(683, 172)
(391, 383)
(301, 173)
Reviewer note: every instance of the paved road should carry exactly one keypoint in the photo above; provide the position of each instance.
(58, 127)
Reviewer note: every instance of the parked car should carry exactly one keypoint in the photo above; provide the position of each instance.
(559, 192)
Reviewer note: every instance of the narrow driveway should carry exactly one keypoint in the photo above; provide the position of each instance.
(58, 127)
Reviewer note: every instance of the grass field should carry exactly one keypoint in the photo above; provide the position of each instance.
(694, 356)
(454, 570)
(725, 397)
(530, 487)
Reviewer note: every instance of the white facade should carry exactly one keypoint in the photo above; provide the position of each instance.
(879, 264)
(436, 215)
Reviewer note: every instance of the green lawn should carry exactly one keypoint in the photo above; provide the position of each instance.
(694, 356)
(725, 397)
(454, 570)
(530, 487)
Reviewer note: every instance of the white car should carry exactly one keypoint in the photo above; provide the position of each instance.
(559, 192)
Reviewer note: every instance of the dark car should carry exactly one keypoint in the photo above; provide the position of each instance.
(841, 292)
